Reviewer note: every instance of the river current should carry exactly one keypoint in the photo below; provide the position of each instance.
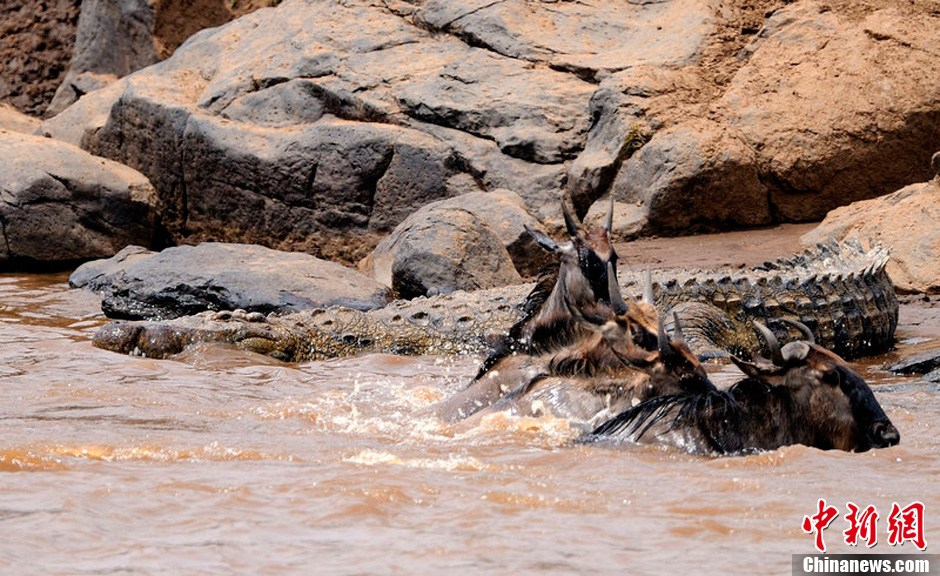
(224, 462)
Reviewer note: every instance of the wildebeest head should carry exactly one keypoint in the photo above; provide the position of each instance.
(594, 250)
(623, 342)
(574, 291)
(836, 408)
(803, 394)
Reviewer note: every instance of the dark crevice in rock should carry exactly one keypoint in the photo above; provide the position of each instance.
(309, 200)
(371, 181)
(423, 113)
(183, 207)
(6, 240)
(347, 107)
(445, 27)
(583, 73)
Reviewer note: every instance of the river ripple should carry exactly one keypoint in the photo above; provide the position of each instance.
(222, 462)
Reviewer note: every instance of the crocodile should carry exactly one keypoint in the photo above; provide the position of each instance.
(841, 291)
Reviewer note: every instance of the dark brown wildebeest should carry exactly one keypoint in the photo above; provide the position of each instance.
(575, 289)
(601, 373)
(804, 394)
(568, 301)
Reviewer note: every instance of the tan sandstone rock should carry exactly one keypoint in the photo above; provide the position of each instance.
(906, 221)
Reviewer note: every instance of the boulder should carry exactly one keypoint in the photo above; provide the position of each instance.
(319, 126)
(60, 204)
(693, 176)
(906, 222)
(502, 211)
(183, 280)
(826, 105)
(114, 38)
(439, 249)
(921, 363)
(117, 37)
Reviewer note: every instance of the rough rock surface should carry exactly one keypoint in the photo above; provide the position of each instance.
(13, 120)
(39, 56)
(905, 221)
(60, 204)
(36, 40)
(440, 249)
(317, 123)
(469, 237)
(831, 103)
(113, 39)
(138, 284)
(117, 37)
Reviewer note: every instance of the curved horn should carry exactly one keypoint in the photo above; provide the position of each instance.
(803, 328)
(616, 298)
(571, 223)
(677, 328)
(663, 340)
(772, 343)
(609, 224)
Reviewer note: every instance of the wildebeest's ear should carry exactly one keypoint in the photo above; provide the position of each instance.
(795, 352)
(759, 368)
(542, 240)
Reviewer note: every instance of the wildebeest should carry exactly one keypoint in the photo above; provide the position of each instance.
(804, 394)
(600, 373)
(564, 296)
(568, 304)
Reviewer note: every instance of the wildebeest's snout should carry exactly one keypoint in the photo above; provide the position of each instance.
(884, 434)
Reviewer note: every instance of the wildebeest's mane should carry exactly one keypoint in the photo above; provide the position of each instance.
(544, 284)
(715, 416)
(511, 342)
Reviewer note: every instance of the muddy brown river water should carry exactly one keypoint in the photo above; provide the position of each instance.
(222, 462)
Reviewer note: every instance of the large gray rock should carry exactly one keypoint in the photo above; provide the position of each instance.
(590, 40)
(114, 38)
(439, 249)
(138, 284)
(319, 126)
(60, 204)
(118, 37)
(502, 211)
